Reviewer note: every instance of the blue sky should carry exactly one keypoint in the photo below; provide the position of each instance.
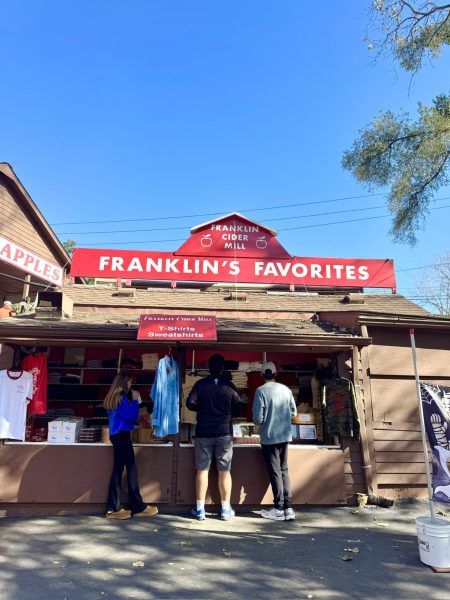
(152, 109)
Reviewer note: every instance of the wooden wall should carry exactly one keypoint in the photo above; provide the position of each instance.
(399, 462)
(16, 226)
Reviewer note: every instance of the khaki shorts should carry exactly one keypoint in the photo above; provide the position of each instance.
(219, 447)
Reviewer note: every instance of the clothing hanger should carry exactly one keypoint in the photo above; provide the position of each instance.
(17, 359)
(193, 372)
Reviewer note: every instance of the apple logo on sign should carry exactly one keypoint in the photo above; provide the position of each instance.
(206, 240)
(261, 242)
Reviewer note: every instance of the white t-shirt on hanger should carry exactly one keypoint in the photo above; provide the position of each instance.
(16, 391)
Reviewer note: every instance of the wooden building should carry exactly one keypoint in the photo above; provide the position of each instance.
(365, 335)
(23, 225)
(368, 336)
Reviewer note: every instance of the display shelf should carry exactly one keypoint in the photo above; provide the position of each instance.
(82, 384)
(202, 370)
(84, 444)
(70, 400)
(78, 368)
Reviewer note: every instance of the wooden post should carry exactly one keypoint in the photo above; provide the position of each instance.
(26, 287)
(368, 408)
(366, 455)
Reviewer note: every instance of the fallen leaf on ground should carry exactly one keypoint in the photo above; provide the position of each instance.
(354, 511)
(138, 563)
(346, 557)
(354, 550)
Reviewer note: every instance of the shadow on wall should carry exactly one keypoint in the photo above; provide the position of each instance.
(48, 475)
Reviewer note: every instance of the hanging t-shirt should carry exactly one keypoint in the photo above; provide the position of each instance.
(37, 366)
(165, 393)
(16, 390)
(339, 407)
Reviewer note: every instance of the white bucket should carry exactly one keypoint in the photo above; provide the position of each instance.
(434, 541)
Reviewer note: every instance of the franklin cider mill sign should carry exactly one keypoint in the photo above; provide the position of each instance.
(233, 249)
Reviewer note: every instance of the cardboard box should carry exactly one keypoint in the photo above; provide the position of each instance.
(309, 418)
(72, 427)
(307, 432)
(56, 426)
(105, 435)
(145, 436)
(55, 437)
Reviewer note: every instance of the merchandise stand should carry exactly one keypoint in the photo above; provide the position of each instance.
(67, 478)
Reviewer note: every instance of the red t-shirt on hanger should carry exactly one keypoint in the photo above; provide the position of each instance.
(37, 366)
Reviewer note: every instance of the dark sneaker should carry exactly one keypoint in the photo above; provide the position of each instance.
(199, 514)
(226, 515)
(289, 514)
(273, 514)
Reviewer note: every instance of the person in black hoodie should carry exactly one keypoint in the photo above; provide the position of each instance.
(215, 400)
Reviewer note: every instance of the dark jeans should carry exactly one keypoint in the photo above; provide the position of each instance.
(124, 457)
(276, 456)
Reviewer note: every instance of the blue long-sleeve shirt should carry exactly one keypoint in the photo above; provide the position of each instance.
(124, 416)
(273, 409)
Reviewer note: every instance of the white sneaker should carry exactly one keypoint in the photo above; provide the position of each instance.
(274, 514)
(289, 514)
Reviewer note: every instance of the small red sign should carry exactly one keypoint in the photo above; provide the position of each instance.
(177, 328)
(233, 236)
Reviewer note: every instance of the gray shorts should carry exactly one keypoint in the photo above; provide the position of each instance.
(219, 447)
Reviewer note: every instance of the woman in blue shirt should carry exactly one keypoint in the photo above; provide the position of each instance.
(122, 406)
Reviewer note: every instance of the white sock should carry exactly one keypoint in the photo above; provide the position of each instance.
(225, 505)
(200, 505)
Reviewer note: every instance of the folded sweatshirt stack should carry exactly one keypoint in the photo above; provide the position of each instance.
(90, 435)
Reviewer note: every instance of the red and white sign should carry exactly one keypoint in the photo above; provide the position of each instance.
(206, 257)
(129, 264)
(29, 262)
(177, 327)
(233, 236)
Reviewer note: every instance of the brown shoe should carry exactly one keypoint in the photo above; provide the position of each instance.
(150, 511)
(119, 514)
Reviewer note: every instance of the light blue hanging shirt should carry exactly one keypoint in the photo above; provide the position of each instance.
(165, 394)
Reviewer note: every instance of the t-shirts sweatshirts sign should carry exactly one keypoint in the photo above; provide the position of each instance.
(16, 390)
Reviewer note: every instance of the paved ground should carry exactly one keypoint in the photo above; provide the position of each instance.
(90, 558)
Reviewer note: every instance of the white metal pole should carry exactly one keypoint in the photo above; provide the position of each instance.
(422, 427)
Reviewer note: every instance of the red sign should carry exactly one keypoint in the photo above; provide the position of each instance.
(233, 236)
(335, 272)
(29, 262)
(177, 327)
(233, 249)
